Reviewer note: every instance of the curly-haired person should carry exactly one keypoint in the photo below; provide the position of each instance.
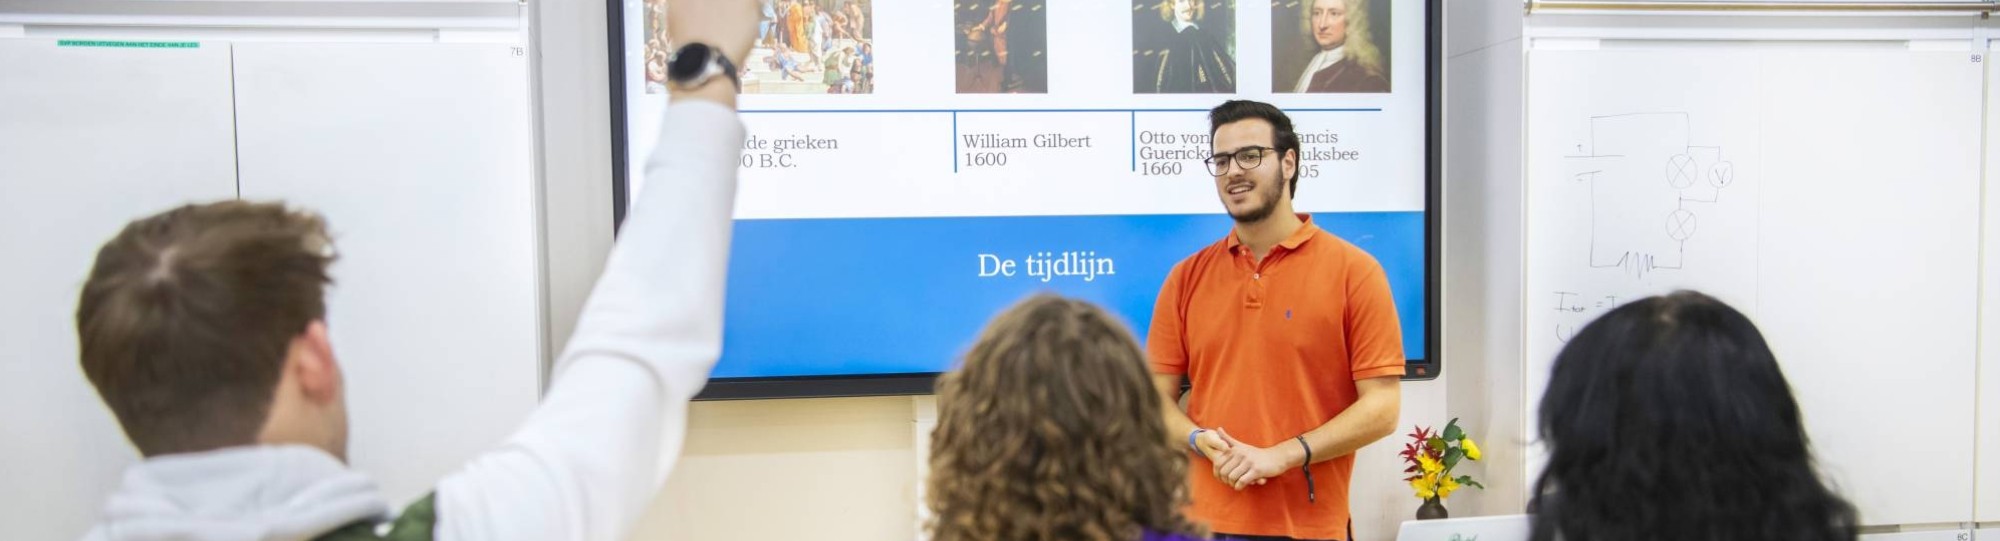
(1051, 430)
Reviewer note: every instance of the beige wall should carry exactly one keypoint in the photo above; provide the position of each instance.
(832, 469)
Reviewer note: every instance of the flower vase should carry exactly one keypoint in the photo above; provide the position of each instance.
(1432, 509)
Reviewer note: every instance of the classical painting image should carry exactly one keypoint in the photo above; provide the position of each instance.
(1002, 47)
(1184, 47)
(1330, 46)
(813, 47)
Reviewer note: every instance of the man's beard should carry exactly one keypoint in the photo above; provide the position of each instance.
(1275, 188)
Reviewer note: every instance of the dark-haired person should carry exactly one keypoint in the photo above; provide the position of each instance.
(1050, 431)
(1289, 337)
(203, 329)
(1669, 419)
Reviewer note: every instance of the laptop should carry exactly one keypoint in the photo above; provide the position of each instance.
(1494, 528)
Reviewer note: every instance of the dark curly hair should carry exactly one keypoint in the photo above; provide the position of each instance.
(1668, 418)
(1051, 430)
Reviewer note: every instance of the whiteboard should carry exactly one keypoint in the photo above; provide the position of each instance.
(1988, 427)
(420, 157)
(1830, 193)
(90, 138)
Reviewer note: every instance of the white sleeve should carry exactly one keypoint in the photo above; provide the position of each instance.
(591, 457)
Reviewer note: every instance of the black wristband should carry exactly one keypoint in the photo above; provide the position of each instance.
(1311, 497)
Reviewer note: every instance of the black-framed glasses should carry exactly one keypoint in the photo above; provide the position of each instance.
(1246, 159)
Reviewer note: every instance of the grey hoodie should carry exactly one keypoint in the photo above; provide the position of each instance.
(255, 493)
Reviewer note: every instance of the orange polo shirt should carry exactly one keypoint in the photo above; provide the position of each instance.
(1272, 350)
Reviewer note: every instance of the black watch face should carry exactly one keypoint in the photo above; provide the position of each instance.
(689, 62)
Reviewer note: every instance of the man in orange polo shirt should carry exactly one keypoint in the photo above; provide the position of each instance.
(1289, 338)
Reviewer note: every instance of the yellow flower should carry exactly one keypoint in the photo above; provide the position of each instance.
(1446, 487)
(1471, 450)
(1423, 486)
(1430, 466)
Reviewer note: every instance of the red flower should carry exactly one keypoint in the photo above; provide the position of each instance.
(1418, 437)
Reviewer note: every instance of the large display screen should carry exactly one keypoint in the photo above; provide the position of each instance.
(915, 166)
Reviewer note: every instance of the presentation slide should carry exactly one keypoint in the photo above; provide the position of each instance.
(915, 166)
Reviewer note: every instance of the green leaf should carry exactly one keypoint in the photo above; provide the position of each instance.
(1473, 483)
(1452, 432)
(1451, 458)
(1436, 444)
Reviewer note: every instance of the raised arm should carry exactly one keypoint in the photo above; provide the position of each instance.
(589, 460)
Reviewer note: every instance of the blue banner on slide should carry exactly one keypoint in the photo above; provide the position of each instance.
(839, 297)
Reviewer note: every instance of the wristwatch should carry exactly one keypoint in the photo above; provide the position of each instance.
(695, 64)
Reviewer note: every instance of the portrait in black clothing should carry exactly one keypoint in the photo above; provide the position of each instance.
(1184, 47)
